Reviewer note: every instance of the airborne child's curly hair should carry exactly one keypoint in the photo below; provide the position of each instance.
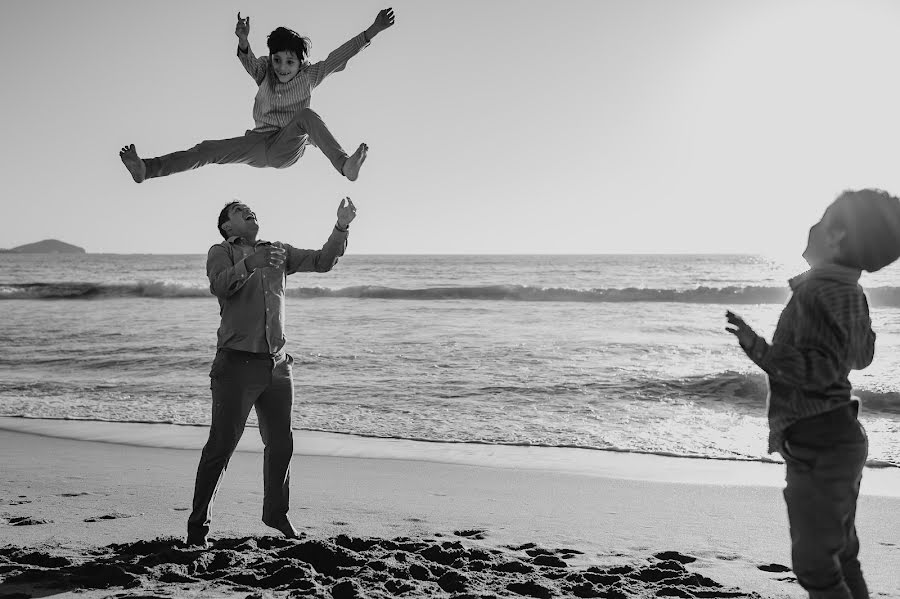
(284, 39)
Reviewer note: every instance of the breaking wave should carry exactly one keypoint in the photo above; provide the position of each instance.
(878, 296)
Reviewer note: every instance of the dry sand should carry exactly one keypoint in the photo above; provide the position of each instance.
(104, 518)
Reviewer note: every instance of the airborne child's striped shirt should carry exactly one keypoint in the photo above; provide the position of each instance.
(277, 103)
(823, 333)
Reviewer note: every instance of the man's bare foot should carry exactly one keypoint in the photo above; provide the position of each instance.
(196, 543)
(355, 162)
(133, 163)
(284, 526)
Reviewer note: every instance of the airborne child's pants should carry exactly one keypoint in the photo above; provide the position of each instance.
(821, 493)
(276, 149)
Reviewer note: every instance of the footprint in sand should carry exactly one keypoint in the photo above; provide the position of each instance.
(568, 553)
(522, 547)
(15, 501)
(113, 516)
(676, 556)
(774, 568)
(728, 557)
(26, 521)
(470, 534)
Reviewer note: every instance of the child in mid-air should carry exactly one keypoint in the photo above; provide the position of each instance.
(823, 333)
(285, 124)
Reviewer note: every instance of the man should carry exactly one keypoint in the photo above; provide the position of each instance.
(251, 368)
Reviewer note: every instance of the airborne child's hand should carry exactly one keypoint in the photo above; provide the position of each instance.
(242, 29)
(384, 20)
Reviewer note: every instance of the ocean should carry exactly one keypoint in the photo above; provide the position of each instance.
(608, 352)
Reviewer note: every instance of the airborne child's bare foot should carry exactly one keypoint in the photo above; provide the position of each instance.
(355, 162)
(134, 164)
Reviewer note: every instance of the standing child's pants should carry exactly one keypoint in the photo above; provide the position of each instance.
(276, 149)
(821, 493)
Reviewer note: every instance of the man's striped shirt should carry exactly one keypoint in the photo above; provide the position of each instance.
(823, 333)
(277, 103)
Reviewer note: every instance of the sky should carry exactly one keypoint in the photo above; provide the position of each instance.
(494, 126)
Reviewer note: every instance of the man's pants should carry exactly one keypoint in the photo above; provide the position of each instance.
(821, 493)
(239, 381)
(277, 149)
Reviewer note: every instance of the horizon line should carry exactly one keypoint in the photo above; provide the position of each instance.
(608, 253)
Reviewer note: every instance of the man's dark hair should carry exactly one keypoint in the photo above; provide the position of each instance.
(223, 216)
(871, 221)
(287, 39)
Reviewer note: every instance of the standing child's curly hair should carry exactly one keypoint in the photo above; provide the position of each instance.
(283, 39)
(871, 221)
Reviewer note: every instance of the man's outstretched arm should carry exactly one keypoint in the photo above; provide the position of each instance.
(324, 259)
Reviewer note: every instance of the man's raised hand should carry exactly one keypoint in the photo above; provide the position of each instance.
(242, 29)
(346, 212)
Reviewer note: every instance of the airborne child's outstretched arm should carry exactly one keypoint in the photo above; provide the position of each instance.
(338, 58)
(256, 67)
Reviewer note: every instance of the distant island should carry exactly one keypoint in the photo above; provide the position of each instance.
(48, 246)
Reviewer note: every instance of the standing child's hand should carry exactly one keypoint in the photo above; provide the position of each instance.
(242, 29)
(384, 20)
(740, 329)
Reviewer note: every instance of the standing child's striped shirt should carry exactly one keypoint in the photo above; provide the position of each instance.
(823, 333)
(277, 103)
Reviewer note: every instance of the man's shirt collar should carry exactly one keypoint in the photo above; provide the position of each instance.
(234, 239)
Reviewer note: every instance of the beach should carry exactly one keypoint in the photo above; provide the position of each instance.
(467, 520)
(521, 371)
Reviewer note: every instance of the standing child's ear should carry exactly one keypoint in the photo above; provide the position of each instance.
(836, 237)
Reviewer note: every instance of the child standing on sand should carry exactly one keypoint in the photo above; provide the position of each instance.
(823, 333)
(284, 121)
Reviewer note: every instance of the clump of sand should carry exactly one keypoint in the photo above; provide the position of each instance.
(350, 567)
